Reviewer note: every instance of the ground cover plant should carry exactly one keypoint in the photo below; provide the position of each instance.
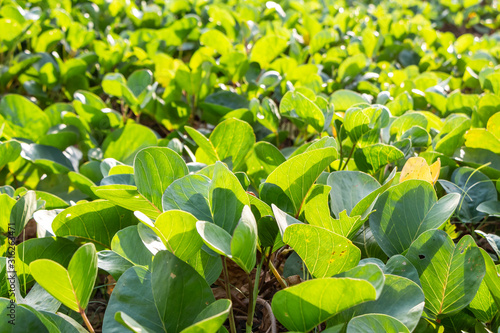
(230, 166)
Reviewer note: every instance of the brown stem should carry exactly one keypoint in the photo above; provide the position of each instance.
(86, 321)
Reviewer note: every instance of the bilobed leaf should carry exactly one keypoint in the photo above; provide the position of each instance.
(308, 304)
(450, 275)
(288, 184)
(324, 253)
(72, 286)
(405, 211)
(262, 161)
(155, 169)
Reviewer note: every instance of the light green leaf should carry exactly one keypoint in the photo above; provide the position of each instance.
(125, 142)
(296, 106)
(450, 275)
(177, 231)
(24, 119)
(72, 286)
(324, 253)
(128, 197)
(266, 49)
(288, 184)
(371, 158)
(308, 304)
(215, 237)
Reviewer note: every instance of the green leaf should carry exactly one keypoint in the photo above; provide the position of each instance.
(267, 48)
(9, 152)
(344, 99)
(96, 221)
(128, 197)
(7, 203)
(129, 322)
(227, 198)
(133, 295)
(288, 184)
(296, 106)
(217, 41)
(244, 241)
(22, 212)
(206, 152)
(49, 158)
(211, 318)
(125, 142)
(400, 298)
(72, 286)
(474, 188)
(483, 305)
(491, 208)
(215, 237)
(190, 194)
(360, 121)
(177, 231)
(263, 160)
(352, 66)
(324, 253)
(348, 188)
(481, 138)
(179, 292)
(450, 275)
(491, 278)
(56, 249)
(24, 119)
(308, 304)
(412, 204)
(372, 158)
(376, 323)
(24, 320)
(232, 139)
(155, 169)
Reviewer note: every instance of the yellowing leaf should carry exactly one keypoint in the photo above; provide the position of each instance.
(435, 169)
(416, 168)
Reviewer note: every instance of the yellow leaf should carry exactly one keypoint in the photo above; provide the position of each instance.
(435, 169)
(416, 168)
